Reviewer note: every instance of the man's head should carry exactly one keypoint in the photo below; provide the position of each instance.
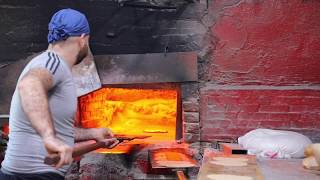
(72, 26)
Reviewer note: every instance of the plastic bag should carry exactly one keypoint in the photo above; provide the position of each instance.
(274, 143)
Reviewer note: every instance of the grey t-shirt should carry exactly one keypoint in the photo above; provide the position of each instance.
(26, 151)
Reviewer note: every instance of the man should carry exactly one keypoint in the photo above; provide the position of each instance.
(44, 104)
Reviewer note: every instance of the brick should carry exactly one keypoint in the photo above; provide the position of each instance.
(254, 124)
(265, 100)
(303, 124)
(191, 117)
(209, 131)
(212, 137)
(212, 115)
(191, 128)
(190, 106)
(313, 101)
(304, 108)
(222, 99)
(272, 108)
(310, 117)
(253, 116)
(311, 93)
(248, 100)
(190, 137)
(216, 123)
(217, 131)
(249, 108)
(217, 107)
(273, 124)
(286, 101)
(233, 108)
(285, 116)
(243, 123)
(237, 132)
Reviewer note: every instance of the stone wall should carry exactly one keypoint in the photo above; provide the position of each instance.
(114, 29)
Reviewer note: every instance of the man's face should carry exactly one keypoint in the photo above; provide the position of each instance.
(84, 49)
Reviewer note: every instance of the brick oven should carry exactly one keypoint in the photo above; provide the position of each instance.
(151, 95)
(142, 95)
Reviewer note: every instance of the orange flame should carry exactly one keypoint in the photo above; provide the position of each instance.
(131, 111)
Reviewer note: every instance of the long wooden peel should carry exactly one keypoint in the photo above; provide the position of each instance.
(89, 146)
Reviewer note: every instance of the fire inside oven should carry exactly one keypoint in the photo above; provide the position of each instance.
(132, 111)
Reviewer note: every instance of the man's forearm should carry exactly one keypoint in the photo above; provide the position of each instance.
(84, 134)
(97, 134)
(34, 100)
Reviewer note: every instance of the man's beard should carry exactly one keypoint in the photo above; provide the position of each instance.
(82, 54)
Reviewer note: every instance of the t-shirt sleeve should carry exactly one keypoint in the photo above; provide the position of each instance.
(52, 63)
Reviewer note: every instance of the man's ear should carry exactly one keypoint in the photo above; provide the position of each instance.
(83, 39)
(83, 35)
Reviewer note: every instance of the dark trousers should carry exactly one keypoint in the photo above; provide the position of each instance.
(42, 176)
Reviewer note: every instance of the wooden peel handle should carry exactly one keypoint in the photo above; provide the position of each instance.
(77, 151)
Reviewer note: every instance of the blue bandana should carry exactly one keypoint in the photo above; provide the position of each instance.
(66, 23)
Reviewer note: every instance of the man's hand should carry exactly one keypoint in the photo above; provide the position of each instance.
(54, 145)
(100, 134)
(97, 134)
(110, 143)
(105, 135)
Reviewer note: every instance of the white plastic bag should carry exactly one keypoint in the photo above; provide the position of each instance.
(274, 143)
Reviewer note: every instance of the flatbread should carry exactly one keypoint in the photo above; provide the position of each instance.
(229, 163)
(175, 164)
(230, 159)
(310, 163)
(228, 177)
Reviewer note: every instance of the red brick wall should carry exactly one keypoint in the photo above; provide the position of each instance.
(229, 113)
(264, 68)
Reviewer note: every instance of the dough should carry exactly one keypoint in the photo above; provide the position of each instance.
(228, 177)
(229, 163)
(175, 164)
(230, 159)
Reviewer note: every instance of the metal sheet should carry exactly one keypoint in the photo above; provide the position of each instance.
(85, 76)
(147, 68)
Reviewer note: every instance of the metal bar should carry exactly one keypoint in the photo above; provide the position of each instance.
(179, 115)
(4, 115)
(146, 6)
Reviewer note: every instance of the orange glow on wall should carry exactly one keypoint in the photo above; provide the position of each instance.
(131, 111)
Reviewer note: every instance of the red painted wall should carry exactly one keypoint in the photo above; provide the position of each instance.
(232, 113)
(273, 46)
(274, 42)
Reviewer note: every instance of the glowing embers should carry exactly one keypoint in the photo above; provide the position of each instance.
(132, 111)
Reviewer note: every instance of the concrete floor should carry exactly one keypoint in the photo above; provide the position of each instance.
(289, 169)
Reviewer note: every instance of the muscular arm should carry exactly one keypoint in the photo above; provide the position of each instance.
(33, 89)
